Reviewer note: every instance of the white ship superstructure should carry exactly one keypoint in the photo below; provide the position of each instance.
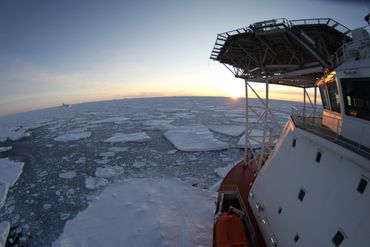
(312, 188)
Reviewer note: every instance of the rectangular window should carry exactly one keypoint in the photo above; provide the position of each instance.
(324, 97)
(334, 96)
(356, 92)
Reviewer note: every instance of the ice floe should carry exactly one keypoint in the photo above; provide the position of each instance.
(46, 206)
(5, 149)
(116, 120)
(93, 183)
(73, 136)
(133, 137)
(230, 130)
(138, 164)
(68, 175)
(158, 124)
(255, 139)
(81, 160)
(107, 154)
(166, 212)
(118, 149)
(3, 192)
(12, 133)
(4, 232)
(9, 173)
(109, 171)
(194, 138)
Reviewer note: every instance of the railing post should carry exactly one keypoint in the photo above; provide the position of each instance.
(314, 100)
(304, 102)
(246, 154)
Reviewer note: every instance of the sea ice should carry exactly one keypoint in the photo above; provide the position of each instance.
(93, 183)
(4, 232)
(64, 216)
(165, 211)
(81, 160)
(133, 137)
(116, 120)
(73, 136)
(10, 171)
(159, 124)
(172, 151)
(138, 164)
(222, 171)
(194, 138)
(107, 154)
(13, 134)
(118, 149)
(255, 139)
(103, 161)
(230, 130)
(5, 149)
(3, 192)
(68, 175)
(46, 206)
(108, 171)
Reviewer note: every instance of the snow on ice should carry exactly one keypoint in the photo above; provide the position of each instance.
(133, 137)
(144, 212)
(194, 138)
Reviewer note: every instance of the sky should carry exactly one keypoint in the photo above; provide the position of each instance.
(72, 51)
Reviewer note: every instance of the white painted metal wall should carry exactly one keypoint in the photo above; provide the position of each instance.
(331, 201)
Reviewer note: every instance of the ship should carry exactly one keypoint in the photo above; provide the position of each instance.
(308, 183)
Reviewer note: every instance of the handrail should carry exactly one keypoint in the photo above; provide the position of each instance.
(344, 52)
(314, 125)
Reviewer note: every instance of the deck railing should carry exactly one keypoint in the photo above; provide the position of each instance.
(311, 121)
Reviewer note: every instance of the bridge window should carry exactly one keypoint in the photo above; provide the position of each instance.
(334, 96)
(324, 97)
(356, 92)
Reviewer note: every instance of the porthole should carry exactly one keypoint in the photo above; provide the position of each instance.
(294, 142)
(362, 185)
(318, 157)
(296, 238)
(301, 194)
(338, 238)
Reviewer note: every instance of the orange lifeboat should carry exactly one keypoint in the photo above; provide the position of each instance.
(229, 232)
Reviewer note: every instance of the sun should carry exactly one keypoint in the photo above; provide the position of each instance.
(233, 90)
